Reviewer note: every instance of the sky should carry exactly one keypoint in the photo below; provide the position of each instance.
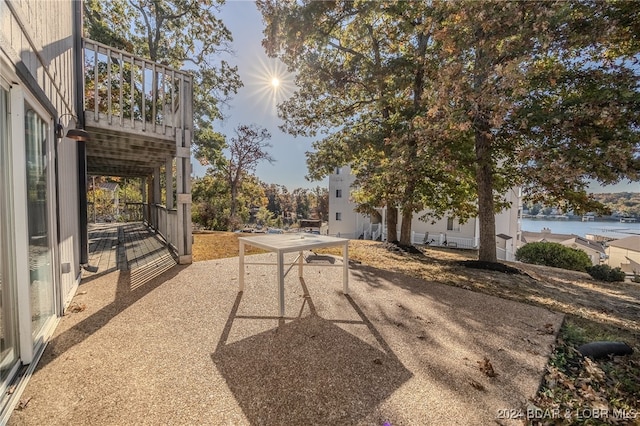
(255, 103)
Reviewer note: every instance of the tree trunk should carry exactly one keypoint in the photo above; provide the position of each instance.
(484, 162)
(405, 227)
(407, 208)
(392, 224)
(486, 211)
(233, 208)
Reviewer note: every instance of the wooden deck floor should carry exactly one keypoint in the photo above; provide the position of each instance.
(125, 247)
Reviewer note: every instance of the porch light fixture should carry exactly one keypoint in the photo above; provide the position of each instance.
(76, 134)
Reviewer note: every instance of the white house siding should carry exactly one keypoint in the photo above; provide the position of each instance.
(69, 219)
(624, 253)
(508, 223)
(440, 228)
(350, 224)
(594, 255)
(38, 35)
(37, 65)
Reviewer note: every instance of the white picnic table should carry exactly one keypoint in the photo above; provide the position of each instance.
(291, 243)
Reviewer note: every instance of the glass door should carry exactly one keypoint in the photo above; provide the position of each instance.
(38, 215)
(8, 322)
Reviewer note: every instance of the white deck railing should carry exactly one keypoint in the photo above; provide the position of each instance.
(443, 240)
(134, 92)
(167, 223)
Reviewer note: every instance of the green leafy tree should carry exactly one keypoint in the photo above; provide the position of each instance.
(500, 86)
(606, 273)
(108, 23)
(264, 217)
(302, 202)
(578, 119)
(548, 100)
(211, 201)
(362, 71)
(250, 197)
(272, 192)
(320, 203)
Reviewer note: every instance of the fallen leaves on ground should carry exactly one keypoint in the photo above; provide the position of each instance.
(75, 307)
(486, 367)
(581, 386)
(23, 403)
(476, 385)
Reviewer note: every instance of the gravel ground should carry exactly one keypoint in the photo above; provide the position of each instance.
(184, 347)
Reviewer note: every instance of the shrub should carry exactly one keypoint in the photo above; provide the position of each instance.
(606, 273)
(554, 254)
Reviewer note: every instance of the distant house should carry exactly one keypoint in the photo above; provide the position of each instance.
(446, 232)
(625, 253)
(594, 250)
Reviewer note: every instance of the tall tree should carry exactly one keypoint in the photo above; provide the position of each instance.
(481, 46)
(321, 203)
(246, 150)
(449, 104)
(211, 201)
(547, 102)
(580, 118)
(362, 71)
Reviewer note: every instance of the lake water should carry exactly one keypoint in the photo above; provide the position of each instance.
(608, 228)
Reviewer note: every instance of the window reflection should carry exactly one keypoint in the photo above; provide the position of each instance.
(40, 257)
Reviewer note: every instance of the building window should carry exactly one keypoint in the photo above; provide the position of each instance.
(452, 224)
(338, 193)
(338, 216)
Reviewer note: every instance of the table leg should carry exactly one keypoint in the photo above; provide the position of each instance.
(300, 264)
(241, 272)
(345, 268)
(281, 283)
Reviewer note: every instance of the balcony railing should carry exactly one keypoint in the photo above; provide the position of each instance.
(133, 91)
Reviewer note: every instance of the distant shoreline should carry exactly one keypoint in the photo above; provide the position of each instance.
(610, 227)
(574, 218)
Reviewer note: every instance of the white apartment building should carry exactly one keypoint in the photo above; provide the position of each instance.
(446, 232)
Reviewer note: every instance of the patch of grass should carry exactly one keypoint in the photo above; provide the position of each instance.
(218, 245)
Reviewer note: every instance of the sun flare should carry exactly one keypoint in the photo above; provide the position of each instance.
(270, 83)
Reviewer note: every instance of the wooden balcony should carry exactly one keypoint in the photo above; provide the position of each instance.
(139, 116)
(136, 111)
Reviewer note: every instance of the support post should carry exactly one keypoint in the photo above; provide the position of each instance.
(168, 190)
(281, 283)
(183, 172)
(345, 268)
(241, 276)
